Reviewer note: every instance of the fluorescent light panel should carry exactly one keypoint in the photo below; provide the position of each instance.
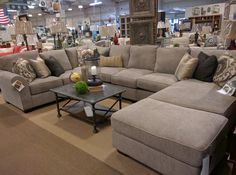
(95, 3)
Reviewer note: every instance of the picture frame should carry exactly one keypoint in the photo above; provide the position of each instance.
(141, 32)
(142, 8)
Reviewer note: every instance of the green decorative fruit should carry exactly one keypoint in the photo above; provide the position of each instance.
(81, 87)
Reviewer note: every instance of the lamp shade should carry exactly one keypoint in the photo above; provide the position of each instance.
(161, 25)
(206, 29)
(24, 27)
(58, 27)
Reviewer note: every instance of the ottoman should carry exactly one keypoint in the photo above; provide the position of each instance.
(170, 139)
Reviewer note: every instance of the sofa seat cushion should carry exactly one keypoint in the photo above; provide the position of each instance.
(182, 133)
(156, 81)
(65, 77)
(107, 72)
(129, 77)
(41, 85)
(198, 95)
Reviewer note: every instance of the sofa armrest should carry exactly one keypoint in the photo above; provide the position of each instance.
(20, 99)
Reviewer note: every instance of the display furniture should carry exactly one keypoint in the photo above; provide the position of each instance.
(125, 26)
(182, 126)
(89, 99)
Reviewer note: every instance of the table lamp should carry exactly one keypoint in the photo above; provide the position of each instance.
(57, 28)
(206, 30)
(24, 28)
(161, 26)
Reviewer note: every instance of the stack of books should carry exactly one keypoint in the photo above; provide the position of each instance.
(96, 88)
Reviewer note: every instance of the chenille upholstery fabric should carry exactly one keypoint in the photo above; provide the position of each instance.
(142, 57)
(156, 81)
(168, 59)
(129, 77)
(123, 51)
(176, 131)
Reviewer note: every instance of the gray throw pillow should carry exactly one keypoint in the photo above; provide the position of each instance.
(225, 71)
(186, 67)
(40, 68)
(24, 69)
(54, 66)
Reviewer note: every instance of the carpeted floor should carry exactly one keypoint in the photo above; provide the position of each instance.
(38, 143)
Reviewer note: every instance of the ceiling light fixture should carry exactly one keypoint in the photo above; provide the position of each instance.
(95, 3)
(10, 10)
(30, 15)
(31, 6)
(39, 14)
(80, 7)
(69, 9)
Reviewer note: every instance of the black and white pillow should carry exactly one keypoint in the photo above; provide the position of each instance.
(23, 68)
(211, 41)
(225, 71)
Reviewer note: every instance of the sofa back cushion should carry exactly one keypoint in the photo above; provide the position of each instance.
(168, 59)
(142, 57)
(123, 51)
(60, 56)
(7, 62)
(218, 53)
(72, 56)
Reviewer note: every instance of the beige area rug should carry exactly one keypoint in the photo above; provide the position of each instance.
(40, 143)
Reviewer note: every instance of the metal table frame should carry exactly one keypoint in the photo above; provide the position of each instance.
(94, 109)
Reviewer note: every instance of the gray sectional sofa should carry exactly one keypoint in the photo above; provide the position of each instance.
(183, 127)
(176, 127)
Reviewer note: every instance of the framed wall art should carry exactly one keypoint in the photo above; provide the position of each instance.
(141, 32)
(142, 8)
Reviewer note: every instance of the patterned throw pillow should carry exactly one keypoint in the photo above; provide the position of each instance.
(211, 41)
(24, 69)
(225, 70)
